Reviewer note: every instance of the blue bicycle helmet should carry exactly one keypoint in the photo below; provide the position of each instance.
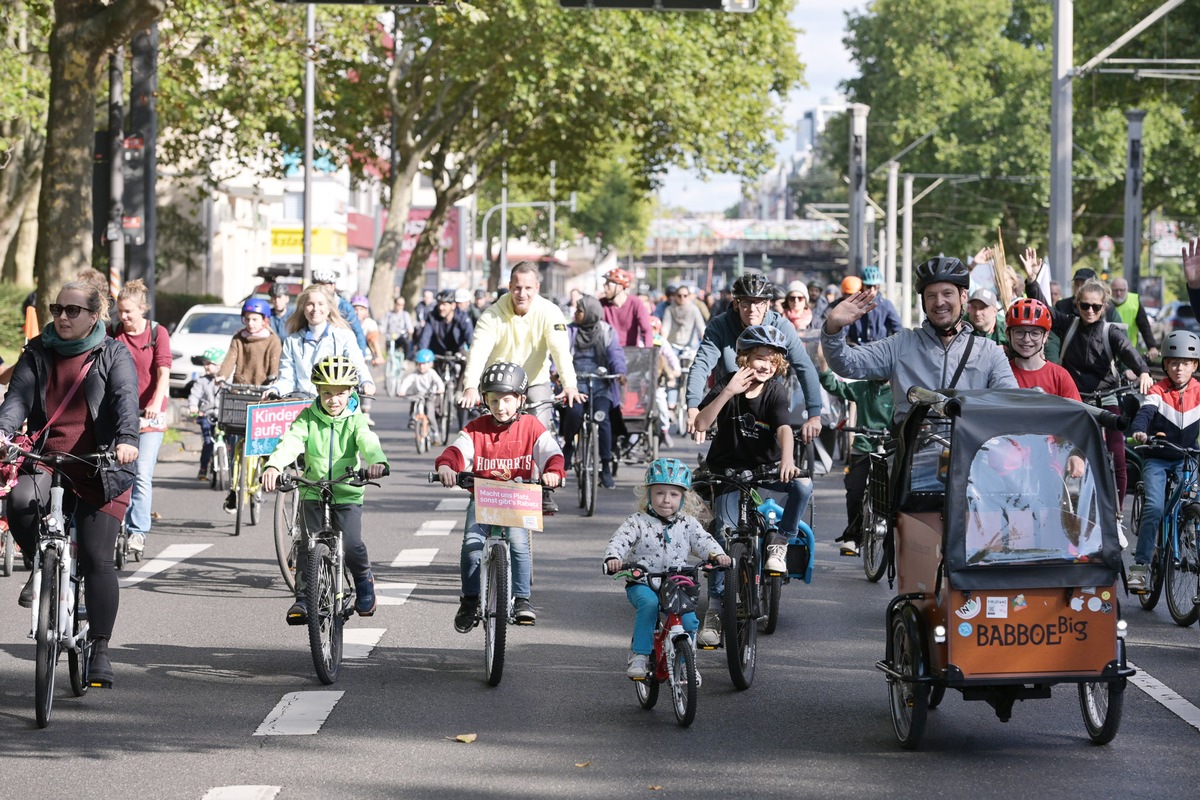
(871, 276)
(424, 357)
(762, 336)
(669, 471)
(256, 305)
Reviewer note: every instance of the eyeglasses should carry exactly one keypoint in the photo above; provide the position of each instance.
(1093, 307)
(793, 297)
(1028, 334)
(72, 311)
(748, 303)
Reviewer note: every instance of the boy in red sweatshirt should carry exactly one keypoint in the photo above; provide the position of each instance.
(506, 445)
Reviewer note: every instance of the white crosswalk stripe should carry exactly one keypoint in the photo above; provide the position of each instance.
(453, 504)
(299, 714)
(242, 793)
(415, 557)
(169, 557)
(393, 594)
(437, 527)
(359, 642)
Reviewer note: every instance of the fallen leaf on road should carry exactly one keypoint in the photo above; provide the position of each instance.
(583, 764)
(654, 788)
(155, 515)
(465, 738)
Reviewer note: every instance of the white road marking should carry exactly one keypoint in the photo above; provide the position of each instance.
(415, 557)
(359, 642)
(453, 504)
(168, 558)
(242, 793)
(393, 594)
(1166, 697)
(437, 527)
(299, 714)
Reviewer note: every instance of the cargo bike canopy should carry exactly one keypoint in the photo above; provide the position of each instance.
(1024, 485)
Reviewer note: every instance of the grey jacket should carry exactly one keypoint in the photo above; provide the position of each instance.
(717, 356)
(917, 357)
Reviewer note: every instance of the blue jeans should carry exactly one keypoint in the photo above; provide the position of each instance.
(471, 555)
(799, 491)
(1154, 479)
(137, 518)
(645, 605)
(206, 449)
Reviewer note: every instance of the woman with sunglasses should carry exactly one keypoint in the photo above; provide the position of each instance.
(77, 389)
(1093, 351)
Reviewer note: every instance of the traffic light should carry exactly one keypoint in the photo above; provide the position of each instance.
(738, 6)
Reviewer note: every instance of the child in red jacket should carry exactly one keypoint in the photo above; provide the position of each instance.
(506, 446)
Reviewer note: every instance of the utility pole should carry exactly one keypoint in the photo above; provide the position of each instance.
(906, 286)
(552, 168)
(888, 255)
(859, 244)
(116, 165)
(310, 79)
(1133, 198)
(1061, 141)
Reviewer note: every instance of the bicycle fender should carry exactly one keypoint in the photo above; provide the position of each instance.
(1193, 507)
(805, 533)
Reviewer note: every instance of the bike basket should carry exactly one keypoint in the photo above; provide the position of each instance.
(877, 482)
(677, 598)
(231, 409)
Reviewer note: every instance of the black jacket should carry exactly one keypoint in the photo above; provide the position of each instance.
(110, 390)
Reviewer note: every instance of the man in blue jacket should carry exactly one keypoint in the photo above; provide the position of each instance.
(717, 355)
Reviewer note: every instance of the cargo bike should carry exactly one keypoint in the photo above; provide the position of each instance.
(1003, 541)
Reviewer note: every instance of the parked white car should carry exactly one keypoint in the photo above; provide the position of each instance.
(202, 327)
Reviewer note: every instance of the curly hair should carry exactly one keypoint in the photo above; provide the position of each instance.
(778, 359)
(692, 505)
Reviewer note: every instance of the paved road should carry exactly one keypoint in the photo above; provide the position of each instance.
(204, 660)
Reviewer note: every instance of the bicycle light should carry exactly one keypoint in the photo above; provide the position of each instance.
(1122, 628)
(939, 634)
(599, 416)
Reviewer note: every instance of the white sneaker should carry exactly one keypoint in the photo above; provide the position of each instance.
(638, 666)
(710, 632)
(1139, 577)
(137, 542)
(849, 549)
(776, 558)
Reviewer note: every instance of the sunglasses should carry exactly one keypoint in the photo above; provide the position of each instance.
(1094, 307)
(72, 311)
(796, 297)
(745, 303)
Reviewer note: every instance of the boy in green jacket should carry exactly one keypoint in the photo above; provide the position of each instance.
(332, 435)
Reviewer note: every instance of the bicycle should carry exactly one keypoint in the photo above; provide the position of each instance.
(219, 468)
(58, 618)
(244, 480)
(329, 587)
(450, 367)
(587, 452)
(393, 369)
(1175, 563)
(876, 518)
(679, 411)
(422, 429)
(673, 660)
(495, 590)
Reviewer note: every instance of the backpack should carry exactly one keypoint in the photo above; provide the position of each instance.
(1108, 351)
(112, 332)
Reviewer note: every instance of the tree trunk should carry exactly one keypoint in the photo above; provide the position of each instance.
(383, 279)
(427, 244)
(24, 247)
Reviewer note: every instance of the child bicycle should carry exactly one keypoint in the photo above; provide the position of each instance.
(58, 620)
(673, 660)
(329, 588)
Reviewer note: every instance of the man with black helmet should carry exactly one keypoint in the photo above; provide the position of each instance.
(941, 354)
(717, 355)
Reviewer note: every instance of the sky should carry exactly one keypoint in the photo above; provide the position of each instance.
(823, 25)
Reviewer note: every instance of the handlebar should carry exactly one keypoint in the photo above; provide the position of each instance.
(1116, 391)
(743, 479)
(352, 477)
(1162, 444)
(639, 572)
(866, 431)
(104, 459)
(244, 388)
(466, 480)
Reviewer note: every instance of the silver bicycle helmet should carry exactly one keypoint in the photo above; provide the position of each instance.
(752, 285)
(762, 336)
(1181, 344)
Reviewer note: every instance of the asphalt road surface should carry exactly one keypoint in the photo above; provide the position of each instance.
(216, 697)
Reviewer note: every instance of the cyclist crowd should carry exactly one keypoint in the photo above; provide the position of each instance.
(80, 387)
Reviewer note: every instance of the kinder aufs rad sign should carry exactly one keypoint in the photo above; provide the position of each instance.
(266, 423)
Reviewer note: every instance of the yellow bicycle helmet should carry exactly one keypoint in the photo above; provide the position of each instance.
(335, 371)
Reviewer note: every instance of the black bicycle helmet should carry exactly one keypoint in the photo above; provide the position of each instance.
(753, 285)
(504, 376)
(445, 296)
(942, 269)
(762, 336)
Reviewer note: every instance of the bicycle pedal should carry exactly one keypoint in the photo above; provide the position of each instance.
(643, 679)
(529, 622)
(776, 574)
(99, 684)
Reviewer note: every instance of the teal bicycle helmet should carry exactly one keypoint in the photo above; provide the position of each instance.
(871, 276)
(669, 471)
(424, 356)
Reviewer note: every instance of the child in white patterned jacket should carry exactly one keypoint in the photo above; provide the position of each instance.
(660, 536)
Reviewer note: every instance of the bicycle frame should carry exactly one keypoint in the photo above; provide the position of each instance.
(55, 534)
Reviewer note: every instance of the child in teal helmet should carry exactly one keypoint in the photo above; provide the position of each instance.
(424, 382)
(202, 399)
(660, 536)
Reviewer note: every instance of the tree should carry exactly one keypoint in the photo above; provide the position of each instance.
(83, 33)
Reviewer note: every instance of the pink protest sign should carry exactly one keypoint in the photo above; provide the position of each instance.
(266, 423)
(513, 505)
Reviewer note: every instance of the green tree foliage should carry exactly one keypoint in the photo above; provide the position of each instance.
(978, 72)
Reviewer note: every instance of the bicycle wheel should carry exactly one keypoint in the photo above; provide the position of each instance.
(444, 420)
(738, 618)
(1183, 570)
(1101, 704)
(1154, 585)
(220, 466)
(647, 690)
(78, 660)
(421, 432)
(287, 535)
(772, 588)
(909, 699)
(121, 552)
(254, 492)
(239, 492)
(874, 530)
(591, 467)
(47, 639)
(325, 618)
(683, 681)
(495, 616)
(6, 542)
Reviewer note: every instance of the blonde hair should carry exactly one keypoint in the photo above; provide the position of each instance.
(97, 303)
(96, 280)
(1094, 286)
(298, 322)
(135, 290)
(778, 359)
(692, 505)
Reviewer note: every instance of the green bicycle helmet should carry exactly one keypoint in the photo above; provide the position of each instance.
(335, 371)
(669, 471)
(214, 354)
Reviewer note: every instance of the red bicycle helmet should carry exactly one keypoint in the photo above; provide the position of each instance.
(619, 277)
(1028, 312)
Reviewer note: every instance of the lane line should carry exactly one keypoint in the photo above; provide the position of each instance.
(415, 557)
(437, 527)
(359, 642)
(1165, 696)
(299, 714)
(242, 793)
(169, 557)
(393, 594)
(453, 504)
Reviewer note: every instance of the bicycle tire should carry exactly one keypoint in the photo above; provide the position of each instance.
(121, 551)
(772, 589)
(447, 410)
(6, 541)
(1149, 598)
(79, 660)
(495, 617)
(239, 494)
(1183, 570)
(683, 682)
(647, 690)
(287, 535)
(872, 535)
(909, 698)
(738, 618)
(325, 618)
(220, 466)
(47, 639)
(591, 467)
